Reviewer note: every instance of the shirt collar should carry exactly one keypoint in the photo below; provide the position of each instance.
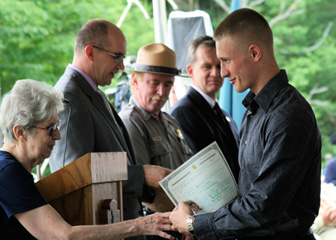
(87, 77)
(264, 98)
(210, 101)
(144, 114)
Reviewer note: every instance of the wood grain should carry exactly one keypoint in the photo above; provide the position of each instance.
(77, 190)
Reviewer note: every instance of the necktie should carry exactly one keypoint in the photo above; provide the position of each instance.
(230, 148)
(220, 115)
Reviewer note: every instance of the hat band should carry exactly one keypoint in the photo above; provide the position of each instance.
(148, 68)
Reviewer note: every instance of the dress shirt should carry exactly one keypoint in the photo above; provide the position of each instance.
(280, 159)
(212, 103)
(205, 96)
(87, 77)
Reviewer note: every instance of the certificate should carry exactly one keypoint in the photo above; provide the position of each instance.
(206, 179)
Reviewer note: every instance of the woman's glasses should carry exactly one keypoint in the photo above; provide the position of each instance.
(51, 129)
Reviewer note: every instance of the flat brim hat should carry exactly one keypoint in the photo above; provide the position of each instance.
(156, 58)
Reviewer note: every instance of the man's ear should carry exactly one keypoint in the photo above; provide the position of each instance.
(255, 52)
(89, 52)
(190, 70)
(134, 80)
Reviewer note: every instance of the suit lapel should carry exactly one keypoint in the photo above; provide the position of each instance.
(125, 138)
(199, 101)
(99, 104)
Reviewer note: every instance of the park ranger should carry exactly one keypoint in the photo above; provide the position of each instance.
(156, 136)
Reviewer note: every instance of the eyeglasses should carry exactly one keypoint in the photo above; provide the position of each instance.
(51, 129)
(118, 58)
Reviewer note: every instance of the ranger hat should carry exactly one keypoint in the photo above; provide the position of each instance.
(156, 58)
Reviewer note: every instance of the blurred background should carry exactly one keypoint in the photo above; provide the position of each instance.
(37, 41)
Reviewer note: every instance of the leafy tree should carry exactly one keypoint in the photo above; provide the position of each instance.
(38, 36)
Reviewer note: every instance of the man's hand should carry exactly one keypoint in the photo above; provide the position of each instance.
(180, 215)
(154, 174)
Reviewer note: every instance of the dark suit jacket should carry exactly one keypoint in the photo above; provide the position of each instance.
(201, 126)
(86, 127)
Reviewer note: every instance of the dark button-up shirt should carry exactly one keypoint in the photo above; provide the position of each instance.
(280, 159)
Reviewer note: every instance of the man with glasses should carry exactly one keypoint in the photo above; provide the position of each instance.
(89, 122)
(118, 58)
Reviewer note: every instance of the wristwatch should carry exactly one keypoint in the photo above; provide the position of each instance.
(190, 224)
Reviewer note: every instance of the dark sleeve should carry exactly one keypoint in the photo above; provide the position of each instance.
(135, 186)
(194, 129)
(18, 192)
(233, 127)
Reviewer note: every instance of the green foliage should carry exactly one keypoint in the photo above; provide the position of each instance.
(37, 37)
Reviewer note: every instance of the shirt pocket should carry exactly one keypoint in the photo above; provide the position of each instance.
(160, 152)
(184, 146)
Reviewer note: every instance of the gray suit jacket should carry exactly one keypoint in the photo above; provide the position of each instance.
(86, 127)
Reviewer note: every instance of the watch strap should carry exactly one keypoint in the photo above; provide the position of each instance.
(190, 223)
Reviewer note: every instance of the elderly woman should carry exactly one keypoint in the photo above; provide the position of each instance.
(30, 126)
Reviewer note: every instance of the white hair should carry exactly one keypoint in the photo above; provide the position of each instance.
(29, 103)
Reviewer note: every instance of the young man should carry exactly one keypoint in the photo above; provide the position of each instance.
(280, 144)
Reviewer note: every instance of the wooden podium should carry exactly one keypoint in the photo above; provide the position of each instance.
(88, 191)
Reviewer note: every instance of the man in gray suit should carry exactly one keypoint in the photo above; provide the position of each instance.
(89, 122)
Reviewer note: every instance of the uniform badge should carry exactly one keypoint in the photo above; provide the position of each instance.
(179, 133)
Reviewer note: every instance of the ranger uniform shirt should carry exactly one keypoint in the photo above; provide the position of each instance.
(155, 142)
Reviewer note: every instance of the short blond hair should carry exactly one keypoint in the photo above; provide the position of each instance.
(246, 27)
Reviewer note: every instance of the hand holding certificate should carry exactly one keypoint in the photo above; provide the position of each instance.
(205, 179)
